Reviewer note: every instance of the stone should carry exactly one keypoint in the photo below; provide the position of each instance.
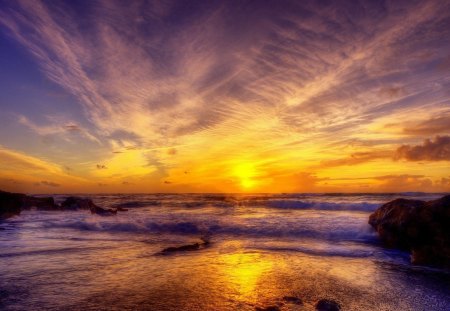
(45, 203)
(188, 247)
(10, 204)
(77, 203)
(423, 228)
(327, 305)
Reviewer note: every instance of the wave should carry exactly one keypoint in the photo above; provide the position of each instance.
(132, 204)
(330, 251)
(213, 227)
(263, 203)
(50, 251)
(329, 206)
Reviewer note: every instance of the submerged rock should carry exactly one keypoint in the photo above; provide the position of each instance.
(418, 226)
(327, 305)
(189, 247)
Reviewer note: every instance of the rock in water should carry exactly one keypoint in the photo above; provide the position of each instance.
(189, 247)
(327, 305)
(46, 203)
(77, 203)
(83, 203)
(10, 204)
(418, 226)
(103, 211)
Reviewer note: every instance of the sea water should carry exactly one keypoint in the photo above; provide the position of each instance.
(262, 247)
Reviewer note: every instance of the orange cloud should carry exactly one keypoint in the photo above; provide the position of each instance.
(431, 150)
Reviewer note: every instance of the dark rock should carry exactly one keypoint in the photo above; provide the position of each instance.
(189, 247)
(46, 203)
(83, 203)
(418, 226)
(103, 211)
(10, 204)
(327, 305)
(77, 203)
(293, 300)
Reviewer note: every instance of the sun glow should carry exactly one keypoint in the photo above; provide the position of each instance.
(246, 173)
(131, 162)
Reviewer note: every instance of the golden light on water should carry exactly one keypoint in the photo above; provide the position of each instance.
(243, 272)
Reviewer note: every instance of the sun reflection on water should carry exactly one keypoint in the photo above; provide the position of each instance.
(244, 272)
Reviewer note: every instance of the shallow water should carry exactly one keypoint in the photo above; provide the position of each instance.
(263, 247)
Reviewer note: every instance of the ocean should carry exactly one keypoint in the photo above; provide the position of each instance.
(262, 247)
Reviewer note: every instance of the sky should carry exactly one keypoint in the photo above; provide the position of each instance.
(224, 96)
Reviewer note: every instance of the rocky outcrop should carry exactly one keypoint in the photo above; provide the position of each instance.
(13, 203)
(103, 211)
(74, 203)
(45, 203)
(421, 227)
(10, 204)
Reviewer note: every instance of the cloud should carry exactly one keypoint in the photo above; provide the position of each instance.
(405, 182)
(57, 127)
(49, 183)
(72, 128)
(172, 151)
(430, 150)
(355, 159)
(11, 160)
(20, 172)
(218, 84)
(435, 125)
(175, 80)
(392, 91)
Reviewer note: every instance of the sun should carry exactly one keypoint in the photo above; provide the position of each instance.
(246, 173)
